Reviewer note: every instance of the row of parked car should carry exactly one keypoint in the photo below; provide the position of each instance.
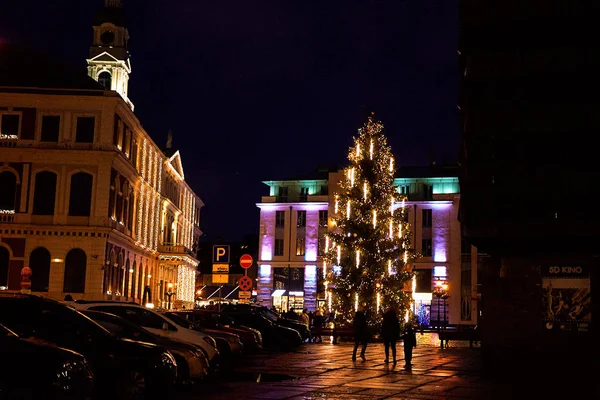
(86, 349)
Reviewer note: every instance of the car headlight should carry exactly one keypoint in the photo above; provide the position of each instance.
(167, 360)
(210, 341)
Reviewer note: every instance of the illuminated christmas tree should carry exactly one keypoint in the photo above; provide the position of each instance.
(369, 249)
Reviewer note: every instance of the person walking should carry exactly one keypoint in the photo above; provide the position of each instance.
(305, 318)
(410, 341)
(361, 333)
(390, 332)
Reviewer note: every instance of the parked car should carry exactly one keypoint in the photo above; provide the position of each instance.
(230, 343)
(227, 322)
(157, 324)
(270, 315)
(274, 335)
(122, 368)
(207, 319)
(58, 373)
(191, 361)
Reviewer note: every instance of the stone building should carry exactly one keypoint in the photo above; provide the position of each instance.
(88, 200)
(295, 216)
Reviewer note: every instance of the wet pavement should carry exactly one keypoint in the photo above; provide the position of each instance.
(326, 371)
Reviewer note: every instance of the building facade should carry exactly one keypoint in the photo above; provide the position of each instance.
(89, 201)
(296, 215)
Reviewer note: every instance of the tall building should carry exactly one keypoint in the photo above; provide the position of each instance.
(528, 172)
(89, 201)
(295, 217)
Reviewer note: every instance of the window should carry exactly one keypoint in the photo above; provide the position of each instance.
(75, 266)
(9, 128)
(301, 223)
(279, 219)
(321, 247)
(323, 217)
(50, 128)
(405, 189)
(427, 218)
(80, 199)
(8, 192)
(44, 193)
(4, 261)
(278, 247)
(303, 194)
(426, 247)
(283, 194)
(324, 190)
(105, 79)
(39, 262)
(85, 130)
(423, 278)
(300, 247)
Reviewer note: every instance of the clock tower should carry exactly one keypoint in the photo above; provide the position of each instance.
(109, 62)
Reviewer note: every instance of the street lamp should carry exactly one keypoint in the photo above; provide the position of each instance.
(441, 292)
(169, 293)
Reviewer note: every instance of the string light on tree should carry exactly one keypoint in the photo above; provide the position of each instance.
(367, 249)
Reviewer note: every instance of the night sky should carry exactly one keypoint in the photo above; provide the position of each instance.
(260, 90)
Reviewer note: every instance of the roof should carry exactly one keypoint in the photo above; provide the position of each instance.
(23, 67)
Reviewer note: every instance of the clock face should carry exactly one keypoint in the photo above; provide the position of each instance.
(107, 37)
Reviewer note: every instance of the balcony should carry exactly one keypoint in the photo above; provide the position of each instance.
(297, 198)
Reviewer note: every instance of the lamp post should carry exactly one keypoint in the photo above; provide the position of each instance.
(441, 292)
(169, 293)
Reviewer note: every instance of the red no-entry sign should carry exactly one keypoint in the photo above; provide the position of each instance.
(246, 261)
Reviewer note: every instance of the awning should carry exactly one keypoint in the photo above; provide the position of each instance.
(278, 292)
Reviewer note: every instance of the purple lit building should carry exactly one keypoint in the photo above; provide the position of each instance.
(295, 217)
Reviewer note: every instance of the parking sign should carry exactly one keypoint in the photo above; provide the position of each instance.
(221, 254)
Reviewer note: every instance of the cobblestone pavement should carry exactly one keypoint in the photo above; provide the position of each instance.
(325, 371)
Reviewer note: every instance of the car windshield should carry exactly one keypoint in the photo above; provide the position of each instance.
(270, 315)
(183, 322)
(121, 327)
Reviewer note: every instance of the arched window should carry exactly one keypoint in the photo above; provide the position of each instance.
(134, 279)
(80, 199)
(39, 262)
(8, 194)
(127, 276)
(4, 261)
(44, 193)
(105, 79)
(75, 265)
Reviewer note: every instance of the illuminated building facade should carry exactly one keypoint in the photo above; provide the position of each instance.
(295, 217)
(89, 201)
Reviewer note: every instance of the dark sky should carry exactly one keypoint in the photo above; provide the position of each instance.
(256, 90)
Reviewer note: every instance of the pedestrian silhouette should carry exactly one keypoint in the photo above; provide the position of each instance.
(410, 341)
(361, 334)
(390, 333)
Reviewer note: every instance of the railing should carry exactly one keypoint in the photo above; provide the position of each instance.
(6, 218)
(174, 248)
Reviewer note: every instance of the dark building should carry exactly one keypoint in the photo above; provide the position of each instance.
(529, 173)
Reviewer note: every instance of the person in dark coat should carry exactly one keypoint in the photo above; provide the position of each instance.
(390, 333)
(361, 333)
(410, 341)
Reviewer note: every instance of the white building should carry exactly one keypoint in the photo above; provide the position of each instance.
(296, 215)
(88, 200)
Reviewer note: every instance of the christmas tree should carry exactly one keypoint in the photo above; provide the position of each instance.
(369, 248)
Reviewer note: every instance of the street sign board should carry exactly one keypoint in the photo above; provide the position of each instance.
(220, 268)
(245, 283)
(245, 294)
(220, 278)
(244, 301)
(246, 261)
(221, 254)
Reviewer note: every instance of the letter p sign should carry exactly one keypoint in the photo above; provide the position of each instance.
(221, 254)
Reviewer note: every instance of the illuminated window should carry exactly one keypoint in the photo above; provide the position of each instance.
(300, 247)
(323, 218)
(303, 194)
(440, 272)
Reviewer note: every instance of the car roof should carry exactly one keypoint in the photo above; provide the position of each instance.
(105, 302)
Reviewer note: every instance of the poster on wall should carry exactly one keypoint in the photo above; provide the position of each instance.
(566, 298)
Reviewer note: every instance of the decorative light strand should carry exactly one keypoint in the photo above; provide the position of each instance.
(326, 244)
(357, 258)
(348, 210)
(325, 273)
(371, 150)
(339, 254)
(365, 191)
(392, 206)
(390, 272)
(400, 230)
(352, 177)
(329, 302)
(374, 218)
(335, 207)
(405, 257)
(392, 164)
(378, 301)
(356, 302)
(391, 228)
(357, 149)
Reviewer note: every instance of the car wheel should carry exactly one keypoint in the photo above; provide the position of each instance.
(132, 385)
